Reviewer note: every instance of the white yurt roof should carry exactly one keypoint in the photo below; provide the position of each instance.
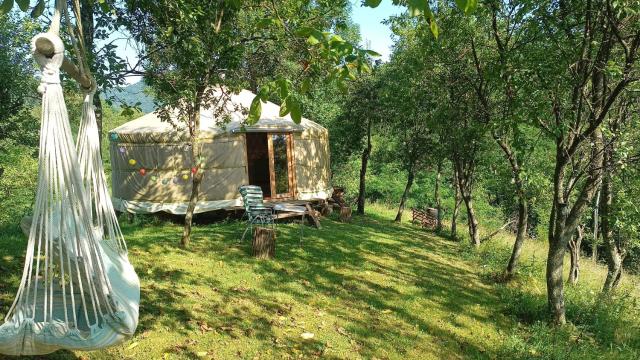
(235, 116)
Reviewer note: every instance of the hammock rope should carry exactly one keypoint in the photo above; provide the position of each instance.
(78, 290)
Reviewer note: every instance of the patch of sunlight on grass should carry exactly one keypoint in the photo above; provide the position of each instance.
(368, 289)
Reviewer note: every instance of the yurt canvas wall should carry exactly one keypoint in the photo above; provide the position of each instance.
(152, 165)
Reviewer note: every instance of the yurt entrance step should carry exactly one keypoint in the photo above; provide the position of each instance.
(270, 163)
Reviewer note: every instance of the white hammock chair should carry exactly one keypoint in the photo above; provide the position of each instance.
(78, 290)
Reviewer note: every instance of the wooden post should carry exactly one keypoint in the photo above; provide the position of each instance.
(345, 214)
(264, 243)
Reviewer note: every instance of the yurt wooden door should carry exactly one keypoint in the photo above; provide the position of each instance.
(270, 164)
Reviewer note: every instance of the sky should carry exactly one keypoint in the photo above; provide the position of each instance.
(375, 35)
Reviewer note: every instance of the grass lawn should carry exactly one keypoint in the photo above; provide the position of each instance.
(369, 289)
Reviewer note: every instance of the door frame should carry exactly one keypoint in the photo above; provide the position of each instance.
(290, 168)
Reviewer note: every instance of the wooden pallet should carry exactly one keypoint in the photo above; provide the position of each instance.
(426, 218)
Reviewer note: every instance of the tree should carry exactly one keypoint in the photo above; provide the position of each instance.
(450, 115)
(505, 99)
(408, 111)
(620, 187)
(354, 129)
(583, 43)
(196, 53)
(18, 86)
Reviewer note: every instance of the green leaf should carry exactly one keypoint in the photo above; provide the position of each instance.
(312, 40)
(296, 110)
(38, 9)
(417, 7)
(104, 5)
(372, 3)
(372, 53)
(23, 4)
(468, 6)
(283, 88)
(284, 109)
(306, 86)
(6, 6)
(268, 22)
(433, 25)
(255, 111)
(304, 31)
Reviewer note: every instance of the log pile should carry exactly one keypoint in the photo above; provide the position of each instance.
(313, 216)
(339, 203)
(338, 197)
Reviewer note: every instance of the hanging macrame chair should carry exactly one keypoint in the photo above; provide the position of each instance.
(78, 290)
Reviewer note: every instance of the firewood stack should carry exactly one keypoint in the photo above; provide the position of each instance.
(338, 201)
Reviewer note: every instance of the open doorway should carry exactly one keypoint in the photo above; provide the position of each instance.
(258, 162)
(270, 165)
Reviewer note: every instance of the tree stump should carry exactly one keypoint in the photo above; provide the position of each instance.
(264, 243)
(345, 214)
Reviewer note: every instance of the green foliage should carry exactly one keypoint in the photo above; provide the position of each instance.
(18, 86)
(18, 169)
(602, 327)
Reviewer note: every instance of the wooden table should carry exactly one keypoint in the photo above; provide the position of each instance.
(292, 209)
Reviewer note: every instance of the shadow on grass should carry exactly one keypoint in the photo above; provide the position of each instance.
(381, 283)
(330, 266)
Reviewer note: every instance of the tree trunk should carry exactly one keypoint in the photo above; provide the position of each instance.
(555, 288)
(523, 210)
(464, 175)
(193, 201)
(574, 251)
(88, 29)
(363, 171)
(564, 220)
(614, 252)
(456, 205)
(194, 130)
(437, 197)
(405, 195)
(523, 214)
(472, 220)
(596, 230)
(97, 102)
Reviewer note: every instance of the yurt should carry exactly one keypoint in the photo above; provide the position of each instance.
(152, 165)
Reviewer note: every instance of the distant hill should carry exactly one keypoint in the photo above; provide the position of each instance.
(130, 95)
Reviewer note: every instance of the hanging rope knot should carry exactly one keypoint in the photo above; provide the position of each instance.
(91, 91)
(48, 51)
